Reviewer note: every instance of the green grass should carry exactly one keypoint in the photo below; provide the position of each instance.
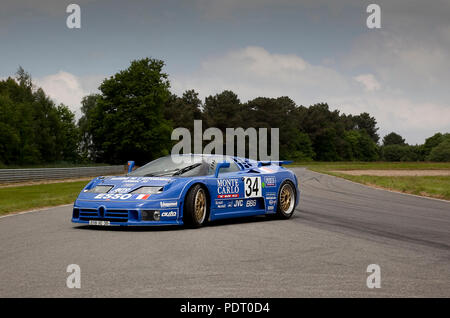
(13, 199)
(327, 166)
(430, 186)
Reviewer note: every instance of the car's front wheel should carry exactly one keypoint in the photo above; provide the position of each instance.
(286, 200)
(195, 207)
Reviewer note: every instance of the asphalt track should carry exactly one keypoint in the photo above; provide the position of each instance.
(338, 229)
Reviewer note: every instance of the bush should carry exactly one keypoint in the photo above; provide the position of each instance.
(441, 152)
(399, 153)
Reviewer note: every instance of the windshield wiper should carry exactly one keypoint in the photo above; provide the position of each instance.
(186, 169)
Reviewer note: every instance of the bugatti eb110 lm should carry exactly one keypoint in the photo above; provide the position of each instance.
(191, 190)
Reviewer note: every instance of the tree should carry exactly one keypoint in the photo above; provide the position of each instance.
(223, 110)
(359, 146)
(69, 135)
(32, 128)
(85, 123)
(433, 141)
(441, 152)
(368, 124)
(393, 139)
(127, 121)
(398, 152)
(182, 111)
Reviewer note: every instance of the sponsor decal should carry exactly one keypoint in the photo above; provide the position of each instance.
(168, 204)
(121, 190)
(227, 196)
(272, 202)
(270, 208)
(113, 196)
(266, 170)
(250, 203)
(228, 188)
(143, 196)
(238, 203)
(270, 181)
(169, 213)
(220, 204)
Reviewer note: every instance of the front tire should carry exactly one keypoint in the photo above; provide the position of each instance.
(286, 200)
(195, 212)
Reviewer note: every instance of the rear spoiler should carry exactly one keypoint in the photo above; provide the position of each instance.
(278, 163)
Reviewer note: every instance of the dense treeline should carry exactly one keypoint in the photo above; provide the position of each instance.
(32, 128)
(133, 117)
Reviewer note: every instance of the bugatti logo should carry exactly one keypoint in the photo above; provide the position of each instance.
(101, 211)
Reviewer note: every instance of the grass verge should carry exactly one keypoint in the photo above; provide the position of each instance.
(326, 166)
(429, 186)
(21, 198)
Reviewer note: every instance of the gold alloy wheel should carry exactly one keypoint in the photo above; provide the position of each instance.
(200, 206)
(287, 198)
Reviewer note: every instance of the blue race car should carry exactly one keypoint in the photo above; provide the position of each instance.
(189, 189)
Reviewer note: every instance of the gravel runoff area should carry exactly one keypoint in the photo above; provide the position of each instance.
(394, 173)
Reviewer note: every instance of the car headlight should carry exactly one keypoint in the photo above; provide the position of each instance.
(100, 189)
(148, 190)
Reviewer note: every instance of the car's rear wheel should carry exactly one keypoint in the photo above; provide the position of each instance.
(196, 207)
(286, 200)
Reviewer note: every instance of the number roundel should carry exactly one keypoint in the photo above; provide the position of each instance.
(252, 187)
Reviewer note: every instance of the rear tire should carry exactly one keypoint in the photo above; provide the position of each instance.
(286, 200)
(196, 207)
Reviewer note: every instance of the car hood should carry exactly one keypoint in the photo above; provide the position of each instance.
(134, 182)
(123, 186)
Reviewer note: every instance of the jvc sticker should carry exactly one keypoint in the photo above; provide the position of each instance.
(252, 187)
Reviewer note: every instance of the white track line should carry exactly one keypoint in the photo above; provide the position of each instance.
(36, 210)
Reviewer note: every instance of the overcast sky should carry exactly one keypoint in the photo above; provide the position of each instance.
(312, 51)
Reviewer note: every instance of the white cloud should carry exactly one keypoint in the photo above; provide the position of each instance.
(253, 71)
(66, 88)
(368, 81)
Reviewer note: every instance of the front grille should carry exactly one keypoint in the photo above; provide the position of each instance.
(102, 214)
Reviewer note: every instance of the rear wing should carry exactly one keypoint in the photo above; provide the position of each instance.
(278, 163)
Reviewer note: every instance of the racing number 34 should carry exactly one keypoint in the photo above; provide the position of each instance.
(252, 186)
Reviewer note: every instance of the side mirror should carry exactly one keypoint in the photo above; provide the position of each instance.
(130, 166)
(219, 166)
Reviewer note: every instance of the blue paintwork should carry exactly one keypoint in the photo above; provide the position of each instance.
(226, 195)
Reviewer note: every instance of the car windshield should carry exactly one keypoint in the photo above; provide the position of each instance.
(185, 166)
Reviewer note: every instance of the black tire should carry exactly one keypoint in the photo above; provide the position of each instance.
(192, 203)
(287, 192)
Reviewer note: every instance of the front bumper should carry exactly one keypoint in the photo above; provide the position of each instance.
(123, 214)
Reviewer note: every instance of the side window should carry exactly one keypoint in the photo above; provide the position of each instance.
(233, 168)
